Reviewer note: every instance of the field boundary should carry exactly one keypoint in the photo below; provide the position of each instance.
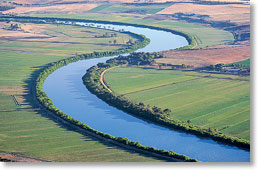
(102, 78)
(147, 114)
(190, 38)
(161, 86)
(15, 100)
(47, 105)
(45, 101)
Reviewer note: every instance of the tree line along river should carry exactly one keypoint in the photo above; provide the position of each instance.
(68, 93)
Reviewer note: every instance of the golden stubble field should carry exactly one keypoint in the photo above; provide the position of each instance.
(29, 30)
(62, 8)
(237, 13)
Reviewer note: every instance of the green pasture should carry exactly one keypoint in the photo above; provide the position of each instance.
(34, 135)
(205, 36)
(130, 8)
(244, 63)
(207, 100)
(67, 40)
(25, 129)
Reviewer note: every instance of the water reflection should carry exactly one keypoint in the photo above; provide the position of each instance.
(66, 90)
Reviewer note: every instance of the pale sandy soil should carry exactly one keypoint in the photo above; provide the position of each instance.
(28, 30)
(238, 13)
(47, 2)
(16, 158)
(159, 1)
(42, 2)
(12, 90)
(66, 8)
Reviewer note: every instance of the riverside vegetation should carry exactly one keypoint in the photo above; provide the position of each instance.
(92, 81)
(26, 128)
(46, 102)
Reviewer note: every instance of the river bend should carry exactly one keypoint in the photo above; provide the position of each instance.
(65, 88)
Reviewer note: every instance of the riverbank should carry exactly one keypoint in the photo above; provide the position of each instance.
(92, 80)
(66, 62)
(46, 102)
(88, 109)
(26, 127)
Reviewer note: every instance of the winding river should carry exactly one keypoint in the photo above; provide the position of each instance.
(65, 88)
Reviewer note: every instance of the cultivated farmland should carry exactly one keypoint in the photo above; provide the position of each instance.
(206, 57)
(207, 100)
(25, 128)
(58, 40)
(204, 36)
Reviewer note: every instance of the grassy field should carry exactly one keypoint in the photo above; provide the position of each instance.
(27, 130)
(208, 100)
(60, 40)
(31, 134)
(245, 63)
(130, 8)
(205, 36)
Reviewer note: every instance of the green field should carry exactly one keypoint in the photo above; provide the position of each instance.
(244, 63)
(27, 130)
(31, 134)
(66, 40)
(130, 8)
(208, 100)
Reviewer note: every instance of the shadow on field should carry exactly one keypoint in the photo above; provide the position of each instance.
(30, 98)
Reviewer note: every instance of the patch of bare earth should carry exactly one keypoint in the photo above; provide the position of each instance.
(163, 1)
(11, 157)
(62, 8)
(206, 57)
(237, 13)
(27, 31)
(45, 2)
(12, 90)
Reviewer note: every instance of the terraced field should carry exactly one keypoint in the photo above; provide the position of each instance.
(29, 131)
(208, 100)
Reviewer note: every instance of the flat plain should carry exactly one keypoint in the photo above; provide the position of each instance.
(214, 101)
(27, 130)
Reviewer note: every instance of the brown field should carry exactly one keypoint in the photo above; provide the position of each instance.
(30, 30)
(64, 8)
(205, 57)
(237, 13)
(53, 2)
(42, 2)
(7, 157)
(12, 90)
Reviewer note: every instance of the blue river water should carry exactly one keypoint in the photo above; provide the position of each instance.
(65, 88)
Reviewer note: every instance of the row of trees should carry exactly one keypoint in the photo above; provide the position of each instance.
(42, 97)
(106, 35)
(46, 101)
(92, 81)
